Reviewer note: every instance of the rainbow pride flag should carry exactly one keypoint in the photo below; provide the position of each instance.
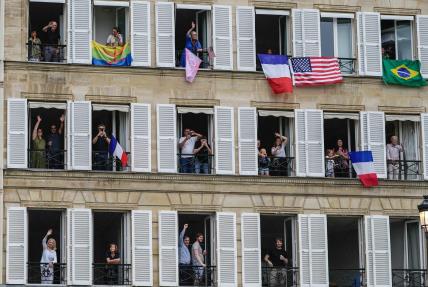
(111, 56)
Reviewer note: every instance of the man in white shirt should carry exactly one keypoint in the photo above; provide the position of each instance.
(186, 145)
(393, 150)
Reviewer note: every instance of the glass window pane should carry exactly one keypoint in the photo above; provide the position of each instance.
(344, 38)
(388, 39)
(283, 34)
(327, 37)
(404, 40)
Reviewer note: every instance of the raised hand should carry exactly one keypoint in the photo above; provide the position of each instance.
(49, 232)
(193, 25)
(39, 119)
(62, 118)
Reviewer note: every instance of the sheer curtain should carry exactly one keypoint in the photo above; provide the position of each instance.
(344, 38)
(409, 140)
(123, 130)
(413, 247)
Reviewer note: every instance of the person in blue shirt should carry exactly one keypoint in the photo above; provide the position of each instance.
(192, 43)
(185, 260)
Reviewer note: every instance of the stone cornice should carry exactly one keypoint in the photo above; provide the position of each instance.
(397, 11)
(341, 108)
(275, 106)
(402, 110)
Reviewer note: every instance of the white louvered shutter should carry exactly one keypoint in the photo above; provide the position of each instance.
(424, 127)
(369, 44)
(222, 37)
(140, 33)
(17, 133)
(141, 147)
(251, 250)
(373, 139)
(224, 140)
(226, 249)
(165, 34)
(245, 31)
(81, 142)
(378, 251)
(79, 247)
(68, 124)
(17, 243)
(167, 138)
(313, 250)
(309, 131)
(142, 258)
(168, 250)
(422, 35)
(306, 33)
(247, 136)
(81, 31)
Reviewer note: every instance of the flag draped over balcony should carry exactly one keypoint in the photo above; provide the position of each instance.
(277, 72)
(315, 71)
(362, 162)
(403, 72)
(115, 149)
(111, 56)
(192, 65)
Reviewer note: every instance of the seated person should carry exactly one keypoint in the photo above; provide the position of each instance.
(192, 43)
(115, 39)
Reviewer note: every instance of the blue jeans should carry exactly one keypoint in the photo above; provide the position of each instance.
(201, 167)
(51, 54)
(186, 165)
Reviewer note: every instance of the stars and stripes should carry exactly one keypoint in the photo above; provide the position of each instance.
(315, 71)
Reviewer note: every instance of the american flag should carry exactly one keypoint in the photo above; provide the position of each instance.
(315, 71)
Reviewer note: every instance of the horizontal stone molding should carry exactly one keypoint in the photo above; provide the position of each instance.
(47, 97)
(402, 110)
(397, 11)
(341, 108)
(194, 102)
(275, 106)
(337, 8)
(105, 99)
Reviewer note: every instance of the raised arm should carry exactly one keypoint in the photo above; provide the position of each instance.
(36, 127)
(191, 29)
(45, 29)
(45, 239)
(61, 125)
(181, 239)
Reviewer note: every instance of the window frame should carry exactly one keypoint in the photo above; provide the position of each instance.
(334, 17)
(396, 18)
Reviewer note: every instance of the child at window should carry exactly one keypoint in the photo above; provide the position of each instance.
(264, 162)
(330, 157)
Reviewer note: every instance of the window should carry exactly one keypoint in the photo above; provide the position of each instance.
(337, 39)
(396, 35)
(47, 129)
(185, 16)
(402, 147)
(271, 32)
(269, 123)
(46, 44)
(107, 17)
(109, 121)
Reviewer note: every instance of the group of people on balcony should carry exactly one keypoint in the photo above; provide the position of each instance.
(277, 164)
(51, 51)
(47, 153)
(195, 153)
(337, 161)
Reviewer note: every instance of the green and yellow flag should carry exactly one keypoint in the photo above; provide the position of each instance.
(403, 72)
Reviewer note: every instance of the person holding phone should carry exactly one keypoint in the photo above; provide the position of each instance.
(277, 260)
(100, 146)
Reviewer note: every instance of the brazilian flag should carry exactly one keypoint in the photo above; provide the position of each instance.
(403, 72)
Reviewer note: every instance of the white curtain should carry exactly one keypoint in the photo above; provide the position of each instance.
(123, 130)
(409, 140)
(413, 248)
(344, 38)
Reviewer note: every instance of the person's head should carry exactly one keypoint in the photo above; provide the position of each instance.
(203, 140)
(263, 152)
(269, 51)
(339, 143)
(116, 31)
(101, 128)
(278, 141)
(394, 140)
(54, 25)
(51, 244)
(113, 247)
(199, 237)
(329, 152)
(186, 240)
(34, 34)
(53, 129)
(39, 133)
(194, 36)
(278, 243)
(187, 132)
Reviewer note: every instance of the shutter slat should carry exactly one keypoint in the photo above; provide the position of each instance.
(224, 140)
(167, 138)
(140, 31)
(17, 133)
(17, 244)
(141, 137)
(142, 257)
(222, 37)
(165, 34)
(422, 35)
(251, 250)
(81, 144)
(81, 31)
(247, 135)
(226, 249)
(306, 33)
(168, 250)
(369, 44)
(245, 31)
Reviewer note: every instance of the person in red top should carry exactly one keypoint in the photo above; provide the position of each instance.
(342, 161)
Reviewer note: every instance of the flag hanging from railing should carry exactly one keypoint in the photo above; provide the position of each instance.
(277, 72)
(362, 162)
(192, 65)
(115, 149)
(111, 56)
(315, 71)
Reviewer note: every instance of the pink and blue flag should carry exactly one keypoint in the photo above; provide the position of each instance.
(362, 162)
(277, 72)
(192, 65)
(115, 149)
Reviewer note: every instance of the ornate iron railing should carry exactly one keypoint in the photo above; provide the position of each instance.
(280, 276)
(404, 169)
(200, 164)
(347, 277)
(276, 166)
(46, 52)
(111, 274)
(102, 160)
(45, 273)
(409, 277)
(347, 65)
(47, 159)
(339, 167)
(198, 276)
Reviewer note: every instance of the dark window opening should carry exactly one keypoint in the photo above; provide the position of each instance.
(49, 151)
(344, 251)
(397, 39)
(105, 19)
(39, 222)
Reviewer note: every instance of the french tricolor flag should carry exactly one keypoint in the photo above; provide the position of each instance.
(362, 161)
(277, 72)
(115, 149)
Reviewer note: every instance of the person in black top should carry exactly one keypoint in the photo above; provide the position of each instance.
(51, 48)
(202, 154)
(112, 260)
(55, 160)
(100, 147)
(277, 260)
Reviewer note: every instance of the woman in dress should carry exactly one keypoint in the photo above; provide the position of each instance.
(279, 164)
(38, 155)
(48, 259)
(342, 165)
(35, 46)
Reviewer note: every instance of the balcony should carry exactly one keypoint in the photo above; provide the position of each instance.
(278, 166)
(405, 169)
(198, 276)
(347, 65)
(102, 160)
(47, 159)
(409, 277)
(347, 277)
(46, 53)
(280, 276)
(40, 273)
(206, 56)
(199, 164)
(111, 274)
(339, 167)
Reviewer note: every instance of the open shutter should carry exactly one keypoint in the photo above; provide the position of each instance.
(142, 259)
(422, 34)
(140, 31)
(378, 251)
(17, 242)
(306, 33)
(373, 139)
(247, 135)
(246, 39)
(309, 125)
(141, 137)
(424, 127)
(167, 138)
(251, 250)
(313, 252)
(81, 146)
(79, 246)
(226, 249)
(224, 140)
(369, 44)
(222, 37)
(81, 31)
(165, 34)
(17, 133)
(168, 250)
